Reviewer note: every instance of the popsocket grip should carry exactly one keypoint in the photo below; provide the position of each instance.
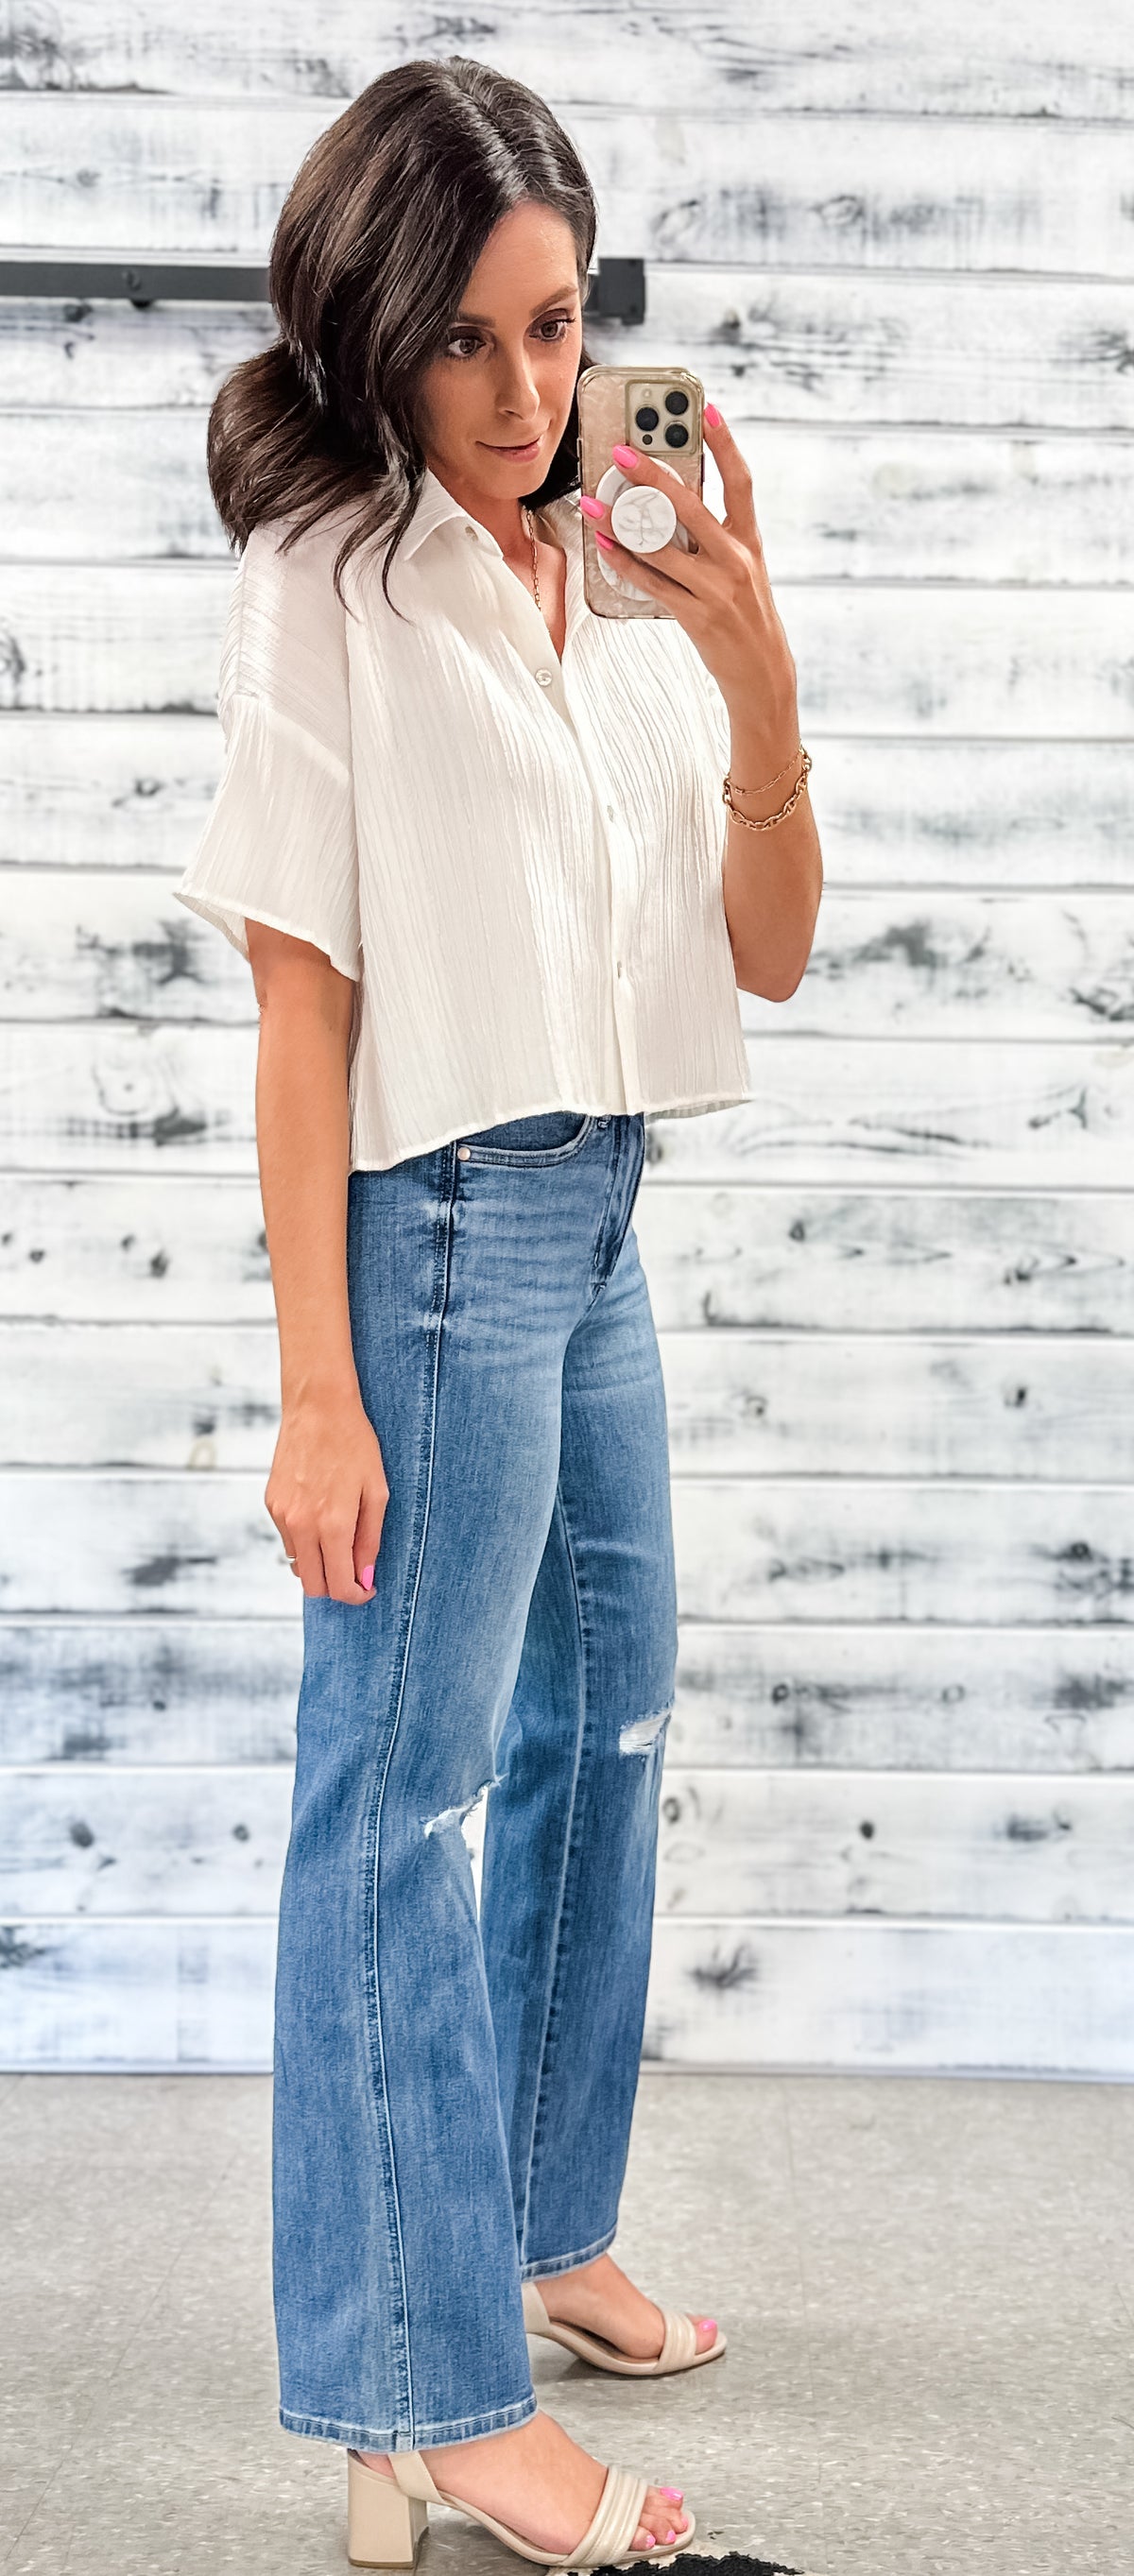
(642, 519)
(650, 521)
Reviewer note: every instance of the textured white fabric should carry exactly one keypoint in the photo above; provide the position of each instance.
(517, 860)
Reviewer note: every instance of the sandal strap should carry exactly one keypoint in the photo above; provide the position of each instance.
(414, 2476)
(536, 2318)
(608, 2535)
(679, 2338)
(616, 2520)
(679, 2343)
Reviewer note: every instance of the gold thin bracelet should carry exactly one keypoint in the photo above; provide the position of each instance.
(768, 782)
(750, 821)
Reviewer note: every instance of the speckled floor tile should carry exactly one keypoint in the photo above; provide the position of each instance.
(969, 2351)
(928, 2287)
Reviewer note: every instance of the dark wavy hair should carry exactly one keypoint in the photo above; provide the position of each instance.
(372, 253)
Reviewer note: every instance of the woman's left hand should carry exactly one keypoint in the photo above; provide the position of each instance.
(721, 594)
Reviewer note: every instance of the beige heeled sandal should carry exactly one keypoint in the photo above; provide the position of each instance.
(386, 2520)
(678, 2352)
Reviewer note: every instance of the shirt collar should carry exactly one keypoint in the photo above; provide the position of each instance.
(435, 506)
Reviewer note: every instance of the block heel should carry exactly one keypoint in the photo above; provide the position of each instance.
(386, 2519)
(385, 2527)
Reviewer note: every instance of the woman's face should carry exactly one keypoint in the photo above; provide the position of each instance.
(496, 401)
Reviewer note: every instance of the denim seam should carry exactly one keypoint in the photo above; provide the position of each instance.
(442, 1254)
(598, 1278)
(568, 1855)
(368, 2437)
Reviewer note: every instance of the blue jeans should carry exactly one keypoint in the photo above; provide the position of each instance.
(454, 2090)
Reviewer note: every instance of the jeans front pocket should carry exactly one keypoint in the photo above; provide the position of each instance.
(550, 1136)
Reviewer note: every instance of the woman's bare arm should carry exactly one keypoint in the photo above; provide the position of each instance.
(327, 1490)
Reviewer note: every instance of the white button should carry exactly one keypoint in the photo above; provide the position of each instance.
(463, 1152)
(610, 811)
(544, 678)
(621, 969)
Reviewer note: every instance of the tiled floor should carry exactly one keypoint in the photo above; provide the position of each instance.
(928, 2287)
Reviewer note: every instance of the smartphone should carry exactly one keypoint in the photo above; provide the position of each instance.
(657, 411)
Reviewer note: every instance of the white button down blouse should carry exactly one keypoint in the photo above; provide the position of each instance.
(517, 859)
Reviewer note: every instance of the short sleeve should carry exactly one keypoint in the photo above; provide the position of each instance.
(279, 844)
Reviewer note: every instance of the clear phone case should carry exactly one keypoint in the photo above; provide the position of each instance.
(615, 404)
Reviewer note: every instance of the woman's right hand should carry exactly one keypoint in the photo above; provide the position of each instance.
(327, 1494)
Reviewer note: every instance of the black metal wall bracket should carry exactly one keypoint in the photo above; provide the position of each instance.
(616, 289)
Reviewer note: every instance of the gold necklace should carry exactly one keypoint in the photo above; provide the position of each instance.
(535, 557)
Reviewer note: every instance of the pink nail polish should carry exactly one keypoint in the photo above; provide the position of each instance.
(708, 2321)
(593, 509)
(676, 2494)
(625, 456)
(606, 543)
(366, 1577)
(671, 2534)
(713, 416)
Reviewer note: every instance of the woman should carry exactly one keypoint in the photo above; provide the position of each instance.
(469, 837)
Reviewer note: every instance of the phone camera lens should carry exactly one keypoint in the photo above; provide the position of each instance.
(677, 401)
(676, 436)
(647, 418)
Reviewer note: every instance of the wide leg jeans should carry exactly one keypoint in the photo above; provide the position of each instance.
(453, 2086)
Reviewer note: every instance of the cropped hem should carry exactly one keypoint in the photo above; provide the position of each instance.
(698, 1104)
(425, 2437)
(365, 1158)
(542, 2271)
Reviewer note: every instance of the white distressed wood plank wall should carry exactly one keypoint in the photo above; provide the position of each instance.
(893, 1291)
(864, 57)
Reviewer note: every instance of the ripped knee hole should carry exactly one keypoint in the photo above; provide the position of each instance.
(448, 1816)
(640, 1732)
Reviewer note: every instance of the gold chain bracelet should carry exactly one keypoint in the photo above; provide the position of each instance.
(769, 782)
(750, 821)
